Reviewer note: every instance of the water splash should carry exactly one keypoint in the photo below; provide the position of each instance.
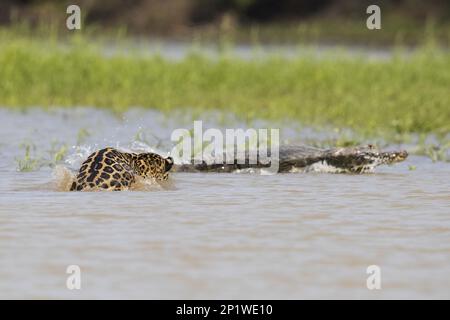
(80, 153)
(62, 178)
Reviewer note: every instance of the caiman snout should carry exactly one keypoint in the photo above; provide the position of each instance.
(393, 157)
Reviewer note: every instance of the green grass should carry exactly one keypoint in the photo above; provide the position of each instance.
(399, 96)
(28, 163)
(32, 160)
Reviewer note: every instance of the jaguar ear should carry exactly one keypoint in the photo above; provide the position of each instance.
(169, 163)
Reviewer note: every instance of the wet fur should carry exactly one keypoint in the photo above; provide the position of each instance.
(110, 169)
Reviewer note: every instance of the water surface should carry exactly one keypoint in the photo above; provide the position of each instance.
(209, 236)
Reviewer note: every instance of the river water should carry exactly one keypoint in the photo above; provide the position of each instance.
(210, 236)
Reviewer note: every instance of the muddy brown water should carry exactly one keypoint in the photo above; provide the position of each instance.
(211, 235)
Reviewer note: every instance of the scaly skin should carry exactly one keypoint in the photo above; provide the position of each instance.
(351, 160)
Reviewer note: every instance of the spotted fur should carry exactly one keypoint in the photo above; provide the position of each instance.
(111, 169)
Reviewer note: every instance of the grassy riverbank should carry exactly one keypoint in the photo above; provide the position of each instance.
(404, 94)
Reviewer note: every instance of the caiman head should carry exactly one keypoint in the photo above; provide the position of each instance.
(363, 159)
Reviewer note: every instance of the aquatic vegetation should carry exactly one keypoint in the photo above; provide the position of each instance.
(148, 138)
(390, 98)
(434, 151)
(82, 135)
(57, 153)
(34, 160)
(28, 162)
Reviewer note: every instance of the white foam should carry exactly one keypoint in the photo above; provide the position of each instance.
(323, 167)
(75, 159)
(62, 178)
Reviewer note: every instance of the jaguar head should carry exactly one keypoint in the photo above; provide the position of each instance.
(152, 165)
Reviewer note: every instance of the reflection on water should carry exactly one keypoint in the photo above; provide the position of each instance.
(212, 235)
